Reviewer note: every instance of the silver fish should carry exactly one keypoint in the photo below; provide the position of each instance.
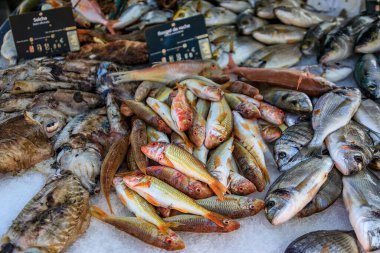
(297, 16)
(295, 188)
(360, 195)
(219, 16)
(292, 119)
(131, 15)
(279, 34)
(368, 115)
(264, 8)
(247, 22)
(369, 40)
(367, 75)
(8, 49)
(235, 6)
(334, 72)
(221, 33)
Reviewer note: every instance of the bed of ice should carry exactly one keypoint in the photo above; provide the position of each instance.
(255, 235)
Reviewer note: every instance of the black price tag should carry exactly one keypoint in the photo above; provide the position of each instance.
(185, 39)
(45, 33)
(373, 6)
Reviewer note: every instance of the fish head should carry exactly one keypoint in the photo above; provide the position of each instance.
(155, 150)
(299, 102)
(21, 87)
(170, 241)
(117, 180)
(183, 12)
(132, 179)
(242, 187)
(245, 23)
(230, 224)
(282, 156)
(371, 87)
(351, 159)
(214, 93)
(338, 48)
(276, 204)
(212, 70)
(251, 204)
(51, 121)
(215, 136)
(200, 190)
(271, 133)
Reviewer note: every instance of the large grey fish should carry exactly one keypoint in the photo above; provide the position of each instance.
(279, 34)
(350, 148)
(292, 140)
(264, 8)
(361, 198)
(292, 119)
(132, 14)
(297, 16)
(368, 115)
(289, 100)
(219, 16)
(324, 241)
(80, 144)
(332, 111)
(369, 40)
(334, 72)
(247, 22)
(295, 188)
(311, 44)
(367, 75)
(340, 45)
(275, 56)
(52, 220)
(326, 196)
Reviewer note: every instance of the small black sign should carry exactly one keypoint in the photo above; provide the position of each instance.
(183, 39)
(373, 6)
(45, 33)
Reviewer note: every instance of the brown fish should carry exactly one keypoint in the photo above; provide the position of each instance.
(138, 139)
(271, 114)
(242, 87)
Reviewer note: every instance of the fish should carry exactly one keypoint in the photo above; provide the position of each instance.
(181, 111)
(144, 88)
(8, 48)
(221, 33)
(110, 165)
(177, 140)
(269, 132)
(235, 6)
(295, 188)
(148, 116)
(154, 17)
(333, 72)
(91, 11)
(62, 206)
(161, 194)
(368, 115)
(219, 160)
(247, 22)
(350, 148)
(201, 153)
(163, 110)
(275, 56)
(293, 139)
(163, 94)
(297, 16)
(139, 206)
(138, 139)
(131, 163)
(331, 112)
(291, 119)
(242, 88)
(271, 114)
(80, 144)
(234, 207)
(191, 98)
(141, 230)
(375, 163)
(199, 224)
(367, 75)
(265, 9)
(340, 44)
(192, 8)
(203, 88)
(11, 103)
(197, 131)
(237, 184)
(219, 16)
(191, 187)
(284, 78)
(289, 100)
(170, 72)
(360, 198)
(249, 168)
(28, 6)
(132, 14)
(203, 107)
(278, 34)
(31, 86)
(175, 157)
(326, 196)
(368, 41)
(325, 241)
(246, 109)
(219, 124)
(311, 44)
(154, 135)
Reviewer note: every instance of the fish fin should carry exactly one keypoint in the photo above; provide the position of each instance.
(110, 24)
(151, 199)
(225, 86)
(231, 66)
(143, 184)
(218, 188)
(216, 218)
(164, 227)
(98, 213)
(343, 14)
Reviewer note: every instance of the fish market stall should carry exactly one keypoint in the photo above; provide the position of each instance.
(266, 139)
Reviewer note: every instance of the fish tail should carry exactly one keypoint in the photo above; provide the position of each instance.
(231, 66)
(218, 188)
(98, 213)
(216, 218)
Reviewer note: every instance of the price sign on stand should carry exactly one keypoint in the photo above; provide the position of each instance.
(44, 33)
(185, 39)
(373, 6)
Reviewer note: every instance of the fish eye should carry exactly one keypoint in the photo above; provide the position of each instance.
(372, 87)
(226, 222)
(251, 206)
(282, 155)
(51, 127)
(358, 159)
(220, 139)
(245, 22)
(241, 189)
(169, 241)
(198, 189)
(270, 204)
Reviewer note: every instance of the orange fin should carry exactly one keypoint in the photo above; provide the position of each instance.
(231, 66)
(216, 218)
(110, 24)
(98, 213)
(165, 227)
(218, 188)
(151, 199)
(143, 184)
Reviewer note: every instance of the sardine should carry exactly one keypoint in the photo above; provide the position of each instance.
(295, 188)
(11, 103)
(368, 42)
(247, 22)
(367, 75)
(31, 86)
(191, 187)
(360, 193)
(279, 34)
